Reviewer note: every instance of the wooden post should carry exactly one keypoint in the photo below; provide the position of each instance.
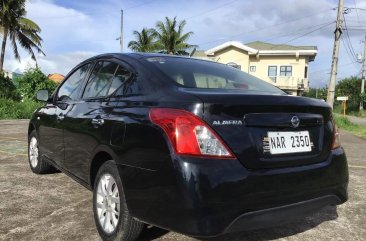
(337, 38)
(344, 107)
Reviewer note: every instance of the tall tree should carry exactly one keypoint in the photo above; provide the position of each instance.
(145, 41)
(18, 29)
(171, 37)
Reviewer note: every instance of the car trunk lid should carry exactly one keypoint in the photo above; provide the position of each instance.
(246, 123)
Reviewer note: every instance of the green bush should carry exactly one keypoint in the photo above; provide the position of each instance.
(7, 88)
(10, 109)
(350, 87)
(32, 81)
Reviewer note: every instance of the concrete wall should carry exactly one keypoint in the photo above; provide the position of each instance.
(233, 55)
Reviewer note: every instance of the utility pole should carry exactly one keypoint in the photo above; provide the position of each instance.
(363, 73)
(121, 34)
(337, 36)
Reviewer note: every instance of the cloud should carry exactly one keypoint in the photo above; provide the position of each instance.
(74, 30)
(51, 64)
(54, 63)
(69, 36)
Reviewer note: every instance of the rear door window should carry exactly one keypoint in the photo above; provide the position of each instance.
(106, 79)
(100, 80)
(119, 78)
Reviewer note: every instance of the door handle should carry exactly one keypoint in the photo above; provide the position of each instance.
(97, 121)
(60, 117)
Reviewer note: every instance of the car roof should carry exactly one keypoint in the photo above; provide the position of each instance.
(136, 56)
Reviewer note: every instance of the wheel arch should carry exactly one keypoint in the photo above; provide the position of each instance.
(31, 128)
(101, 155)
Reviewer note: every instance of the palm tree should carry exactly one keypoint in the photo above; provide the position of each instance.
(145, 41)
(18, 29)
(171, 37)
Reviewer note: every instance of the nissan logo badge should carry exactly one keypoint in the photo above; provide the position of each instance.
(295, 121)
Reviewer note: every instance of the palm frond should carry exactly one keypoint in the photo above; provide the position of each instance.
(171, 36)
(13, 42)
(144, 41)
(26, 23)
(20, 30)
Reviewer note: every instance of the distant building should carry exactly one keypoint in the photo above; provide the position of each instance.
(8, 74)
(13, 76)
(285, 66)
(57, 78)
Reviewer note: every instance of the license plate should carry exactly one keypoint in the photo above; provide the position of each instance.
(289, 142)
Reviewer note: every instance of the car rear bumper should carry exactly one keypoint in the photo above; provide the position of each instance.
(210, 197)
(280, 215)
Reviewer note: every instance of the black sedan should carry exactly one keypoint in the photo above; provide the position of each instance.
(188, 145)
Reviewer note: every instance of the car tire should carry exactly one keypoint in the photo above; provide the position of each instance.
(37, 164)
(111, 214)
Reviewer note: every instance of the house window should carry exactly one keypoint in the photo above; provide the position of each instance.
(306, 72)
(252, 68)
(272, 73)
(286, 71)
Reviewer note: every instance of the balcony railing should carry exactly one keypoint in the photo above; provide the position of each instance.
(290, 83)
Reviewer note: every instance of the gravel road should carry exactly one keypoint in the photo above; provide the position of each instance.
(54, 207)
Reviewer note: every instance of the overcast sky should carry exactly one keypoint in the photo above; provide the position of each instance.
(75, 30)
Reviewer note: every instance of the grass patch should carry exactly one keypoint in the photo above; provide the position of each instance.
(358, 113)
(10, 109)
(345, 124)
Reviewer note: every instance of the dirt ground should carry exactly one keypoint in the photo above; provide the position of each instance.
(54, 207)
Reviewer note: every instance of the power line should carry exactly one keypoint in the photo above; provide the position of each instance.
(349, 52)
(297, 31)
(210, 10)
(328, 69)
(358, 18)
(312, 31)
(270, 26)
(203, 13)
(357, 29)
(348, 40)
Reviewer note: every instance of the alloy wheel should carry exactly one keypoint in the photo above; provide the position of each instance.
(108, 203)
(33, 152)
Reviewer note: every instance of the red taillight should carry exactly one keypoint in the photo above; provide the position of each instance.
(188, 134)
(336, 138)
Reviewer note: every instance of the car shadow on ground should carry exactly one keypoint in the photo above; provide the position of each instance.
(151, 233)
(327, 214)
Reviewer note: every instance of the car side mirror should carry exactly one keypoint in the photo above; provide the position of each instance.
(42, 95)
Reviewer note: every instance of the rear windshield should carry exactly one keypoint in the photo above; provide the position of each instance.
(201, 74)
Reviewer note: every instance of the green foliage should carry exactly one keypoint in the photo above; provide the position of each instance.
(350, 87)
(145, 41)
(32, 81)
(363, 97)
(168, 37)
(342, 122)
(10, 109)
(7, 88)
(345, 124)
(320, 93)
(358, 113)
(171, 38)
